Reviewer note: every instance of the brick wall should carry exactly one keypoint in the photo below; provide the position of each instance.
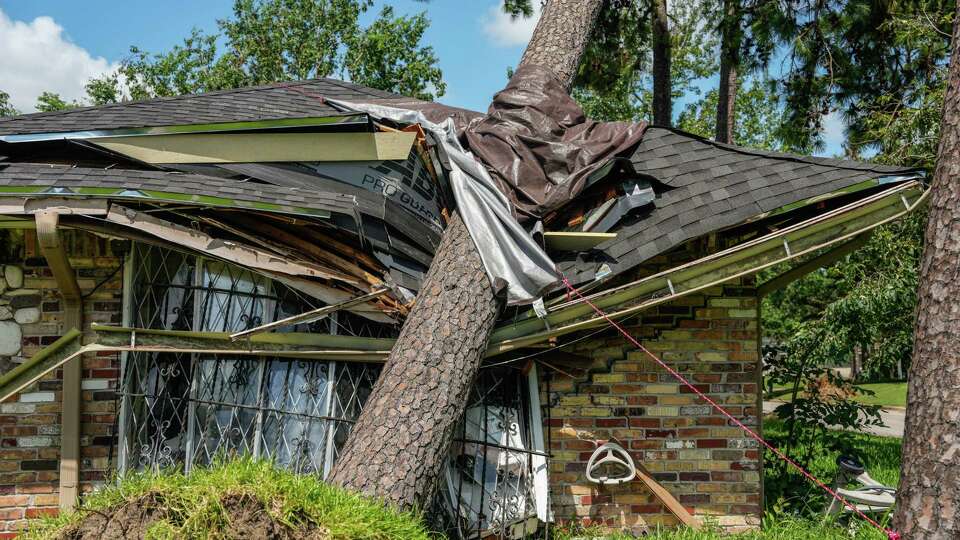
(30, 422)
(709, 465)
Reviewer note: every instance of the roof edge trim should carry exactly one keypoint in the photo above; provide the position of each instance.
(177, 129)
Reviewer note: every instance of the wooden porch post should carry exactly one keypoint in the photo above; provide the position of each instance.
(66, 278)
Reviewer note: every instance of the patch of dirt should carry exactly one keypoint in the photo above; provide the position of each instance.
(247, 517)
(129, 521)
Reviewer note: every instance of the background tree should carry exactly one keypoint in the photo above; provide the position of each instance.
(930, 473)
(50, 101)
(268, 41)
(844, 57)
(758, 115)
(6, 109)
(730, 42)
(397, 448)
(660, 41)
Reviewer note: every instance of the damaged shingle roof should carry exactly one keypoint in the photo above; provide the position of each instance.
(299, 99)
(711, 186)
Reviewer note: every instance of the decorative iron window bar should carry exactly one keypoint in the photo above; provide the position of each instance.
(185, 409)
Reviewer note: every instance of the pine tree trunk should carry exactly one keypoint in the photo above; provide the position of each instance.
(662, 98)
(928, 501)
(729, 71)
(397, 448)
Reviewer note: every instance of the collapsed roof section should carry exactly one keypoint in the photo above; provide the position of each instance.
(704, 187)
(359, 204)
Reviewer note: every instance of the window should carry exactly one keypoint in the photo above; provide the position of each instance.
(185, 409)
(495, 482)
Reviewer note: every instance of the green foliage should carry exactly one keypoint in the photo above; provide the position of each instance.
(380, 58)
(781, 527)
(865, 302)
(193, 503)
(851, 56)
(6, 109)
(267, 41)
(49, 102)
(758, 115)
(819, 402)
(105, 89)
(614, 81)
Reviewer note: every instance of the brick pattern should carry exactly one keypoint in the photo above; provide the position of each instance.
(712, 467)
(30, 423)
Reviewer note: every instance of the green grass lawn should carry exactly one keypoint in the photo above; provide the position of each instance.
(194, 505)
(886, 394)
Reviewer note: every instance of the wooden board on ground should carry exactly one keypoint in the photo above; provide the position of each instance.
(667, 499)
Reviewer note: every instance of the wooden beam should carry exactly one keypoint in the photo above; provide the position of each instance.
(34, 368)
(575, 241)
(309, 316)
(667, 498)
(820, 261)
(66, 277)
(262, 147)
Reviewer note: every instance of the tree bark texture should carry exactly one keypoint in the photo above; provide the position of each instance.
(397, 449)
(561, 37)
(928, 501)
(729, 70)
(662, 91)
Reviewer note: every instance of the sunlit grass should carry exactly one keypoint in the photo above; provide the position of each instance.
(194, 509)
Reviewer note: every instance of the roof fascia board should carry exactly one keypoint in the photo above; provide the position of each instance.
(820, 261)
(748, 258)
(860, 186)
(59, 205)
(114, 339)
(138, 194)
(217, 127)
(117, 335)
(262, 147)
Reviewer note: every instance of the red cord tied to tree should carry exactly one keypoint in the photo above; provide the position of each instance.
(571, 290)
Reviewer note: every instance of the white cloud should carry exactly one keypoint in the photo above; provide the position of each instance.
(504, 31)
(38, 57)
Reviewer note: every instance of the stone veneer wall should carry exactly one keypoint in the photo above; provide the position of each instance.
(712, 467)
(31, 318)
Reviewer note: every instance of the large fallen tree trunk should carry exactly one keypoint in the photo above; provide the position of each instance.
(928, 500)
(398, 446)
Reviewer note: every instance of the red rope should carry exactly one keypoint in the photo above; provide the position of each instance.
(891, 534)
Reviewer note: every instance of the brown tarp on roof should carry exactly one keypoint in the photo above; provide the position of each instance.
(539, 146)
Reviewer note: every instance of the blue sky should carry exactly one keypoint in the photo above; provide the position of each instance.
(58, 45)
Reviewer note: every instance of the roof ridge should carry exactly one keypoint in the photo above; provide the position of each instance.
(165, 99)
(837, 163)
